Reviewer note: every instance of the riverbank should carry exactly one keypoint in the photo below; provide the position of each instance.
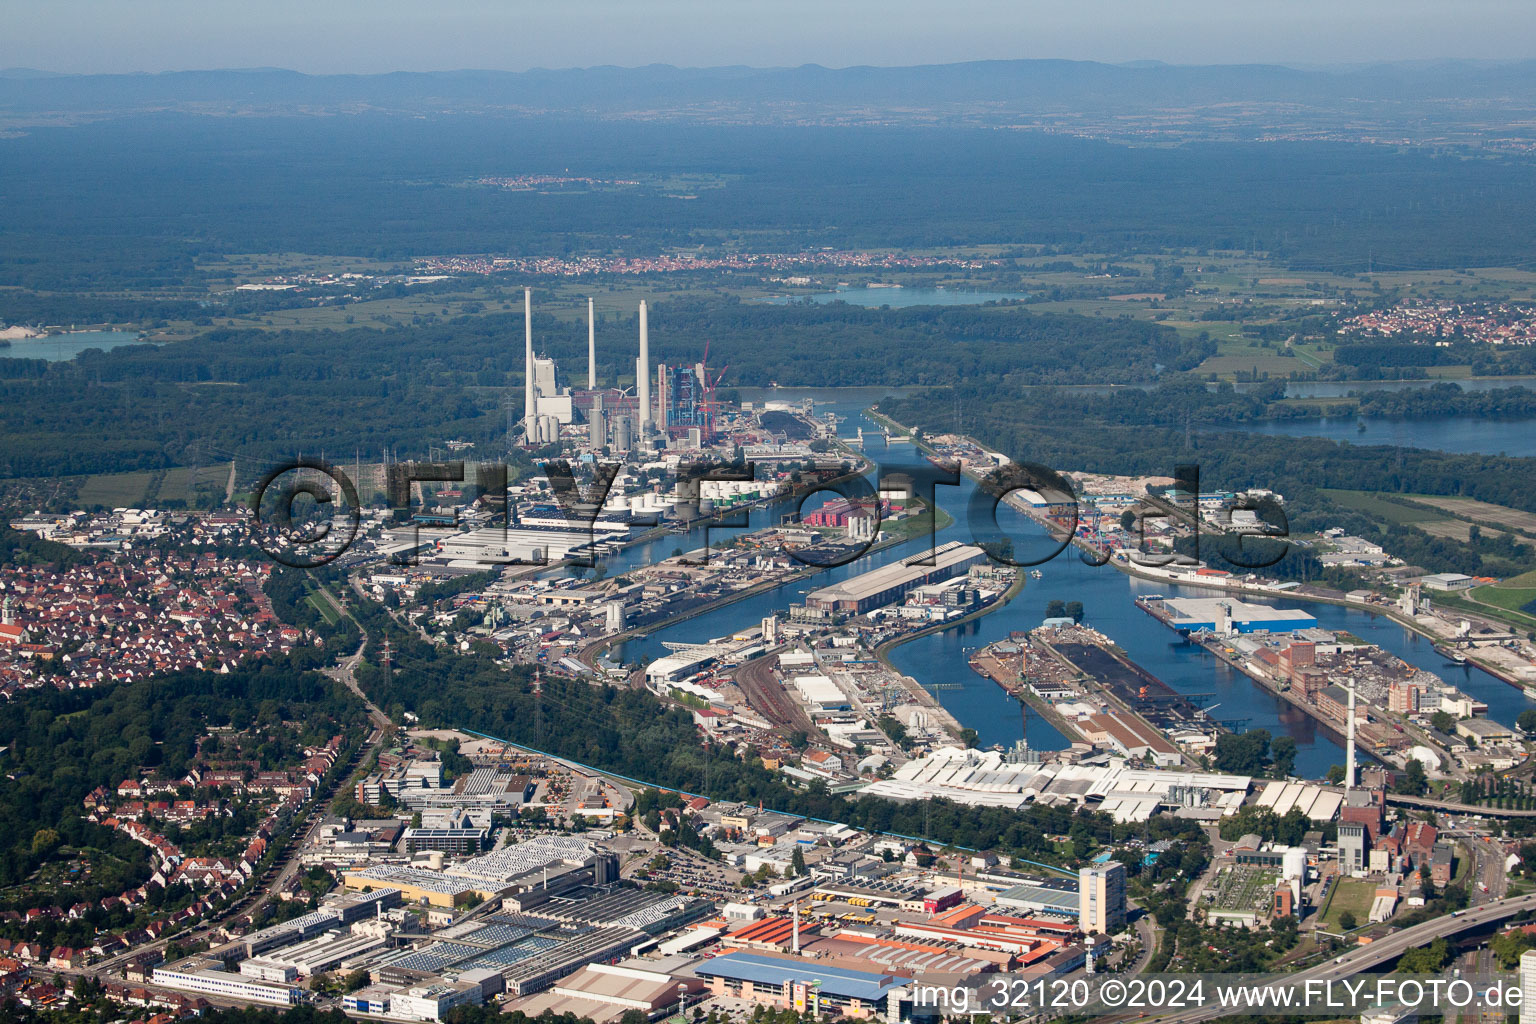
(588, 655)
(882, 651)
(1230, 584)
(989, 665)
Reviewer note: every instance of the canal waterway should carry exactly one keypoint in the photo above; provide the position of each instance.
(1108, 598)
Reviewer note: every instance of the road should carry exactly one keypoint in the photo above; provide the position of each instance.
(1146, 933)
(1382, 950)
(345, 673)
(1475, 810)
(286, 865)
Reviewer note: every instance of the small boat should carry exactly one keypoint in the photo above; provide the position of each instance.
(1530, 691)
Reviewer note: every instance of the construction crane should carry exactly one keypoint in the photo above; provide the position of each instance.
(709, 402)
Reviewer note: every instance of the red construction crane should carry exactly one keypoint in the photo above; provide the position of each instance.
(709, 402)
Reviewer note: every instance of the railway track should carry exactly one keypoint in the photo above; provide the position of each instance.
(767, 696)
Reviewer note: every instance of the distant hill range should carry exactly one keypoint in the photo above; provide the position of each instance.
(1417, 99)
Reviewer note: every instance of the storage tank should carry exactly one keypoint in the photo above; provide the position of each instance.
(1293, 863)
(435, 860)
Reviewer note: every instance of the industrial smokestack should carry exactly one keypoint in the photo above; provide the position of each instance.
(796, 944)
(1349, 746)
(591, 348)
(643, 374)
(530, 400)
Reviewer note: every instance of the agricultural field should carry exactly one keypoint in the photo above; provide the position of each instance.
(1382, 507)
(119, 490)
(1482, 512)
(1455, 529)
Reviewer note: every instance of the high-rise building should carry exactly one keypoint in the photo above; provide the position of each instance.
(1528, 987)
(1354, 848)
(1101, 898)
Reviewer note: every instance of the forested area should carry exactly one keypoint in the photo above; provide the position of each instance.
(1447, 399)
(1411, 358)
(267, 395)
(838, 344)
(63, 744)
(183, 188)
(23, 547)
(1032, 427)
(1179, 399)
(290, 590)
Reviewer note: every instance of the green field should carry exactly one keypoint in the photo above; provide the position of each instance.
(117, 490)
(1351, 894)
(1512, 594)
(1377, 505)
(323, 606)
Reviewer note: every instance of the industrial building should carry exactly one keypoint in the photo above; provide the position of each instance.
(531, 545)
(1229, 615)
(991, 779)
(821, 693)
(803, 985)
(1317, 803)
(446, 840)
(415, 885)
(890, 583)
(207, 976)
(1057, 896)
(603, 992)
(352, 907)
(536, 862)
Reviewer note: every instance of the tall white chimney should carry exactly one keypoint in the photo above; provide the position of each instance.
(643, 374)
(530, 400)
(591, 348)
(1349, 745)
(796, 942)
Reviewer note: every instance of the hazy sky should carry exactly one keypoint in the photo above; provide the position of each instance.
(389, 35)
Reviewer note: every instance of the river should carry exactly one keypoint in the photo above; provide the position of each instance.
(1108, 597)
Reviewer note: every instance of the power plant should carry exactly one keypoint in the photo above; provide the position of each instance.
(680, 411)
(546, 407)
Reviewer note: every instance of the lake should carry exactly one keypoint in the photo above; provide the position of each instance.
(1342, 388)
(58, 348)
(1463, 434)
